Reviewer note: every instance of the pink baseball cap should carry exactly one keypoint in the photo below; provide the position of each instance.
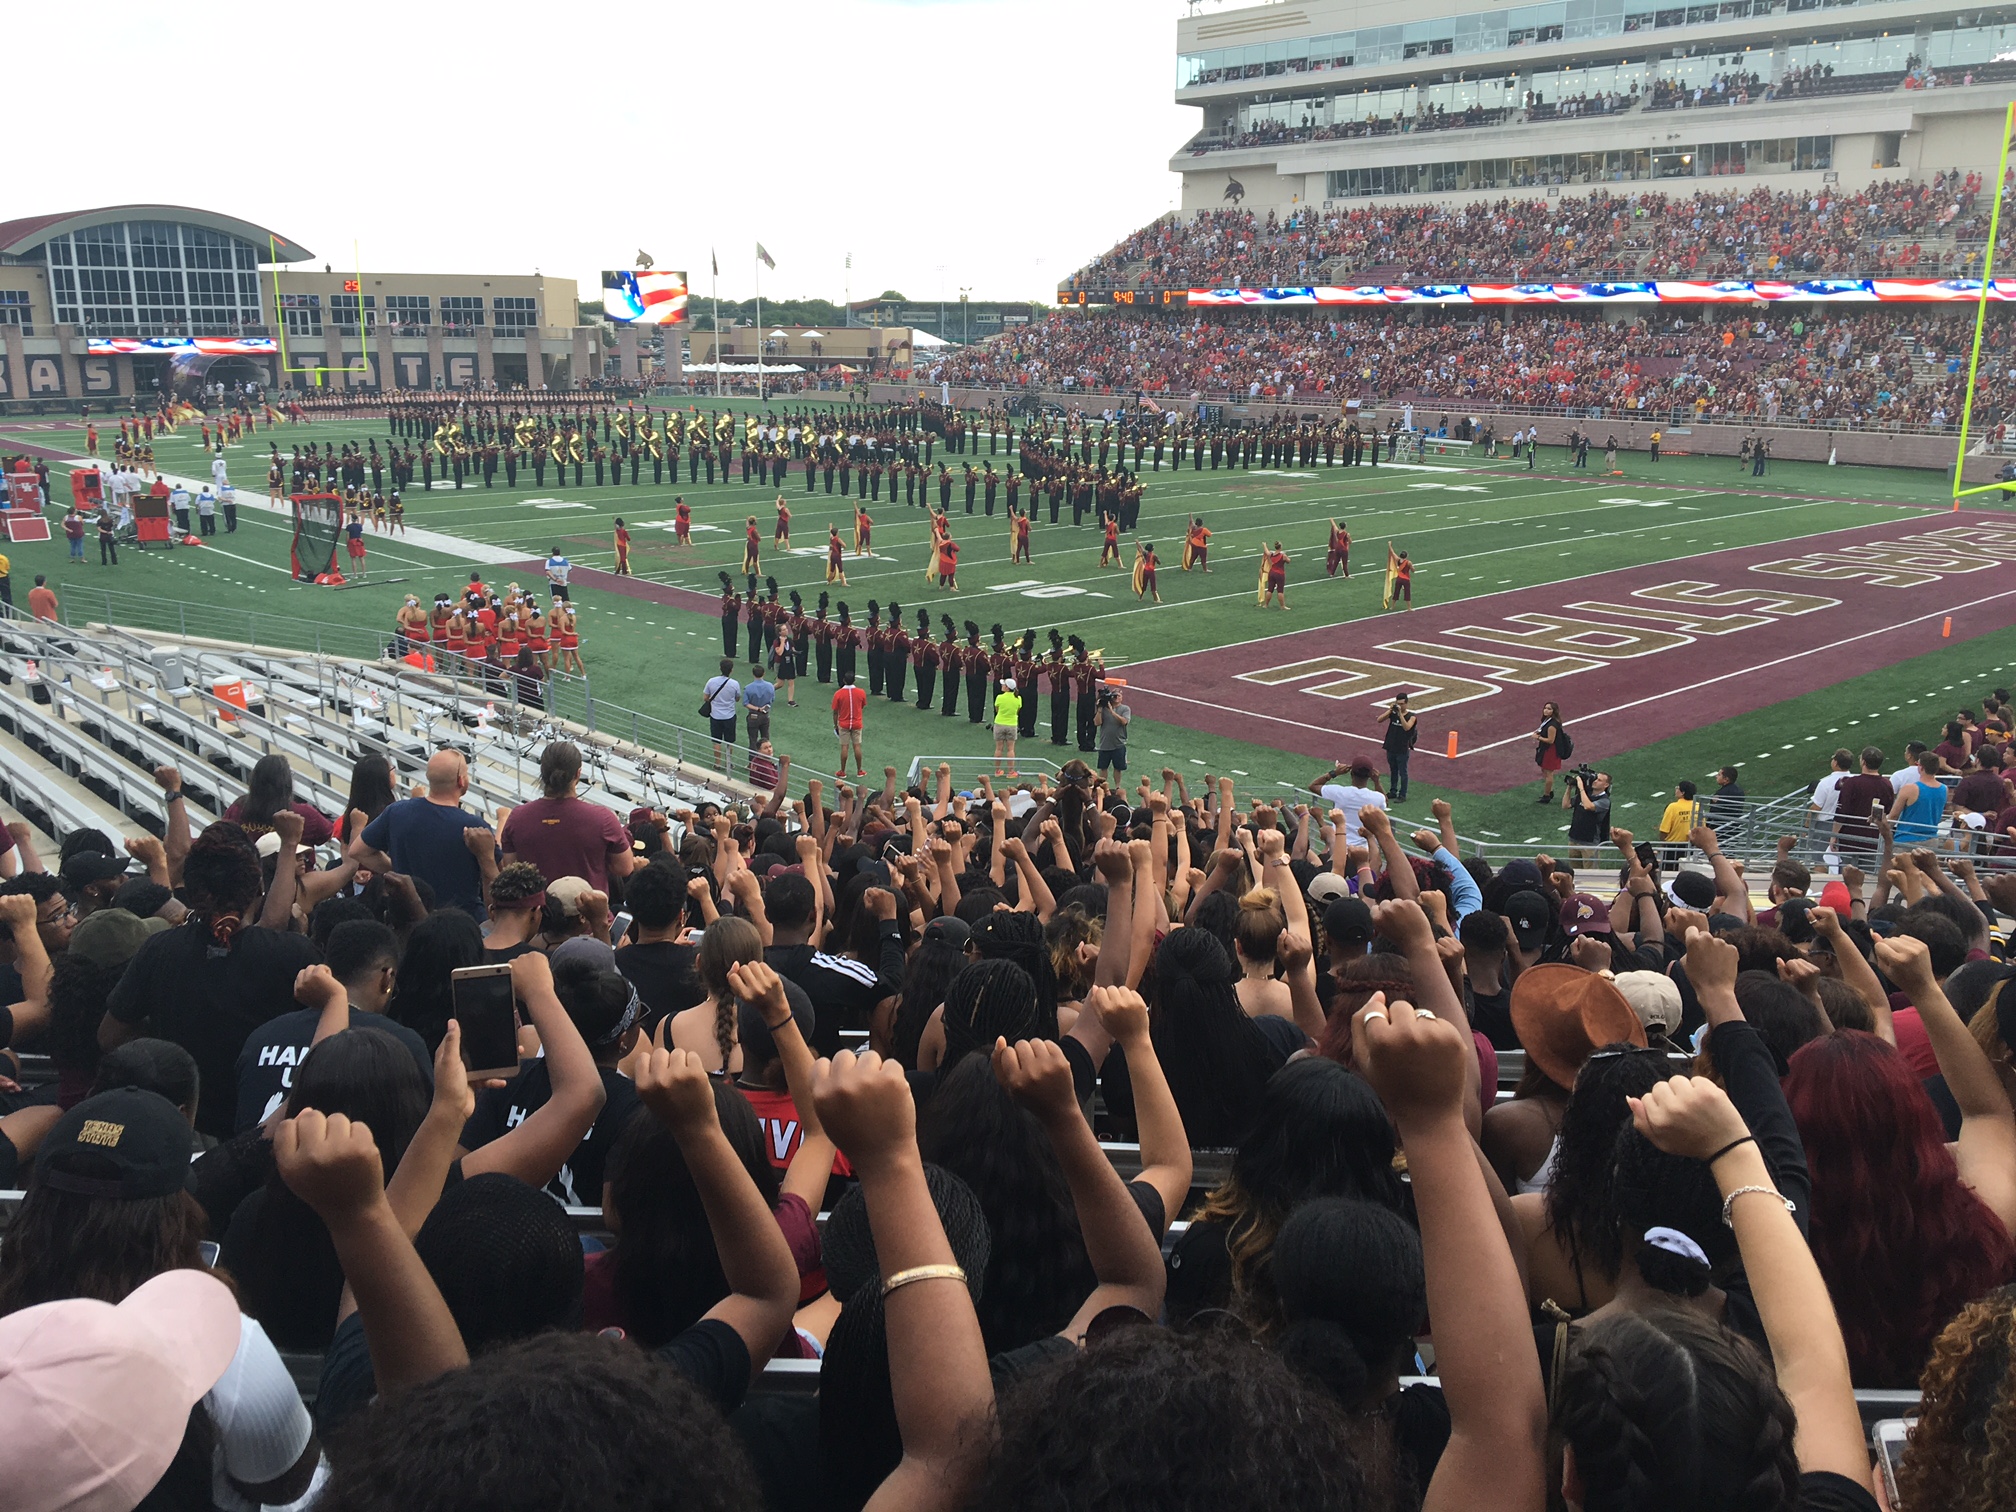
(96, 1398)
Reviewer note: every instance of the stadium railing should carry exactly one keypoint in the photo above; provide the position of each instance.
(565, 695)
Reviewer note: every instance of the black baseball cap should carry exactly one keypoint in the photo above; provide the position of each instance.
(127, 1144)
(1528, 913)
(1347, 919)
(86, 867)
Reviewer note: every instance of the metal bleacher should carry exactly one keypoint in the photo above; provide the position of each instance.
(88, 712)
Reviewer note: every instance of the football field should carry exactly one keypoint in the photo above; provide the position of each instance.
(1684, 615)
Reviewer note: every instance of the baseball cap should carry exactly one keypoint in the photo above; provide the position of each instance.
(584, 948)
(1583, 914)
(127, 1144)
(1325, 886)
(1347, 919)
(1691, 889)
(1527, 912)
(1561, 1013)
(1653, 996)
(567, 892)
(268, 844)
(1008, 683)
(1520, 874)
(96, 1397)
(112, 936)
(1835, 895)
(87, 867)
(949, 930)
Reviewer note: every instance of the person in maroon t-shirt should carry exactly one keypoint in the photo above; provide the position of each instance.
(1855, 797)
(562, 835)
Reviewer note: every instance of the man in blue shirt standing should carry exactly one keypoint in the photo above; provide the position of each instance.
(435, 840)
(758, 694)
(558, 570)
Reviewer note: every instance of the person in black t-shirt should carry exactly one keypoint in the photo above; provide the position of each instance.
(211, 983)
(606, 1009)
(363, 960)
(847, 990)
(656, 961)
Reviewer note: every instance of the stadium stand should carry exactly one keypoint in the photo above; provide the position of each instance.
(1931, 229)
(1782, 366)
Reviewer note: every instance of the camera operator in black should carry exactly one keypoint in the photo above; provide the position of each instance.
(1399, 742)
(1586, 796)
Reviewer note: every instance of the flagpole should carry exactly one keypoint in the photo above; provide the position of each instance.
(714, 282)
(758, 267)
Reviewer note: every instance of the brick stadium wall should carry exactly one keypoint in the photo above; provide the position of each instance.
(1788, 443)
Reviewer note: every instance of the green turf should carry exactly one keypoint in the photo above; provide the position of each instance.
(1517, 532)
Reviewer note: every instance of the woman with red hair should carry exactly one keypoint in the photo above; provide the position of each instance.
(1907, 1229)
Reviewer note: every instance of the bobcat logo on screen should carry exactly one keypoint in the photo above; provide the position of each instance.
(1234, 190)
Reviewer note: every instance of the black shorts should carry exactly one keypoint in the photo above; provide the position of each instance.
(560, 592)
(1114, 759)
(723, 729)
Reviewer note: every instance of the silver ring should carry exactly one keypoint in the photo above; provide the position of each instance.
(1377, 1013)
(1423, 1013)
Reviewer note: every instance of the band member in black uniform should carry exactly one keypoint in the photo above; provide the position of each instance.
(730, 615)
(949, 664)
(759, 621)
(895, 655)
(846, 645)
(1059, 676)
(978, 665)
(924, 656)
(1026, 668)
(1084, 682)
(822, 641)
(872, 646)
(799, 629)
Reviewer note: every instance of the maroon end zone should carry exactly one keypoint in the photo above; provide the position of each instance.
(1632, 656)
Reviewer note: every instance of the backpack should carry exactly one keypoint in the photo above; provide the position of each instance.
(1564, 744)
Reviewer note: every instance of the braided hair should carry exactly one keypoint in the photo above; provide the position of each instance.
(988, 1000)
(1668, 1412)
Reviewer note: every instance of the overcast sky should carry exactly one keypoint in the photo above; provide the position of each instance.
(1008, 140)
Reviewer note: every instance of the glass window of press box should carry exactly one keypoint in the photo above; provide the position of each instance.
(1974, 39)
(154, 278)
(1705, 160)
(514, 313)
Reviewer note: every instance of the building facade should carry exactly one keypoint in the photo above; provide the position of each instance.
(1334, 102)
(129, 300)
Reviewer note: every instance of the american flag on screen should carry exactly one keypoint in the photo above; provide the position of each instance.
(644, 297)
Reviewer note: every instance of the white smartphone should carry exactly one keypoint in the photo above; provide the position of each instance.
(618, 928)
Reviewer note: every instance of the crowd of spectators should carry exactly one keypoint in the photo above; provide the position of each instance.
(1923, 229)
(836, 1073)
(1874, 367)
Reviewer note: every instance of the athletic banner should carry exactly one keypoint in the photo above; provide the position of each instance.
(644, 297)
(1651, 291)
(201, 346)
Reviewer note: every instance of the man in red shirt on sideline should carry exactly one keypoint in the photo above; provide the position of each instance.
(848, 704)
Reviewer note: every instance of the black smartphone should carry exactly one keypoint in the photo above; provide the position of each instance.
(487, 1010)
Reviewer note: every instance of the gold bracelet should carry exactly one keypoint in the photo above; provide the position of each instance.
(924, 1273)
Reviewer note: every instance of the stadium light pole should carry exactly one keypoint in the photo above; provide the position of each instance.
(965, 328)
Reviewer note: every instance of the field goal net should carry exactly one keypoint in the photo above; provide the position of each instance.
(318, 531)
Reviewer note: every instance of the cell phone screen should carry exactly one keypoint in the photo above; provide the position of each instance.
(487, 1012)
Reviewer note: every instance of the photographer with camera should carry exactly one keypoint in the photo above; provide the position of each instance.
(1399, 741)
(1112, 720)
(1586, 796)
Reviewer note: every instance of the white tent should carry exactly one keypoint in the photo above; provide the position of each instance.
(926, 339)
(813, 335)
(780, 332)
(742, 369)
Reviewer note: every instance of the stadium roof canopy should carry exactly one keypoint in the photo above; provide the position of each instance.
(20, 237)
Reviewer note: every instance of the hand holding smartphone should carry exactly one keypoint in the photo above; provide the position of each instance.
(487, 1010)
